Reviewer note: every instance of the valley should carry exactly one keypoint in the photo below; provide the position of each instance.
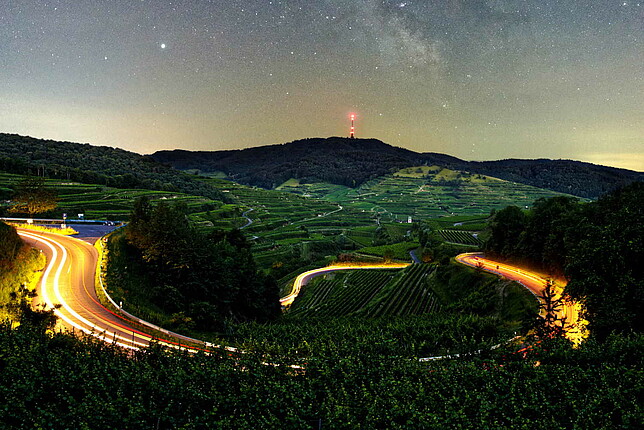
(372, 274)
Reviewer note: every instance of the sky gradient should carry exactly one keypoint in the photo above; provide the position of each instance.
(479, 80)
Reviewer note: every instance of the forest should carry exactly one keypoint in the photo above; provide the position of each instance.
(598, 247)
(202, 280)
(352, 162)
(94, 165)
(337, 160)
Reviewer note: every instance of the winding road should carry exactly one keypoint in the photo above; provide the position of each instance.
(535, 284)
(304, 278)
(68, 285)
(69, 279)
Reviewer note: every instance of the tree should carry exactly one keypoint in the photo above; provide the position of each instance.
(202, 279)
(32, 197)
(552, 324)
(605, 267)
(505, 230)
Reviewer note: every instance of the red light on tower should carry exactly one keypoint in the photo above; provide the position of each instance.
(353, 129)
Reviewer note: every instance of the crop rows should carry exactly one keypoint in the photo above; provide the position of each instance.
(346, 294)
(458, 236)
(372, 293)
(409, 295)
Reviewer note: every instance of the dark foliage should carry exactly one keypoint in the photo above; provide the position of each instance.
(94, 165)
(352, 162)
(33, 197)
(10, 245)
(598, 246)
(18, 262)
(338, 160)
(61, 382)
(566, 176)
(209, 279)
(606, 261)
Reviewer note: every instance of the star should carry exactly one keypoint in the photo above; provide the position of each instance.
(163, 46)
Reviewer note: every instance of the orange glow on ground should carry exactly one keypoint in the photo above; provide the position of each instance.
(303, 278)
(576, 330)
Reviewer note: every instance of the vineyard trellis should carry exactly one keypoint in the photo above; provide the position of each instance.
(459, 236)
(371, 293)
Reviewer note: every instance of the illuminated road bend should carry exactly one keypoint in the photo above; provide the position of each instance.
(305, 277)
(535, 284)
(69, 280)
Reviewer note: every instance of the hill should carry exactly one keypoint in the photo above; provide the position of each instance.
(337, 160)
(94, 165)
(352, 162)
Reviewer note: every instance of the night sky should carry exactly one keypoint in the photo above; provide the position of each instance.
(476, 79)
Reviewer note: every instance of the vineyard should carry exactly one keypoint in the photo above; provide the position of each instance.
(460, 237)
(410, 294)
(372, 293)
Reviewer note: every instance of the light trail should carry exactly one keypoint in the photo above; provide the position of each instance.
(81, 310)
(303, 278)
(575, 326)
(59, 311)
(75, 298)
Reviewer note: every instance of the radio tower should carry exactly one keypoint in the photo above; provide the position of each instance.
(352, 131)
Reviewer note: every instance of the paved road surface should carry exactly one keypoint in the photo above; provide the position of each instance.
(69, 280)
(534, 283)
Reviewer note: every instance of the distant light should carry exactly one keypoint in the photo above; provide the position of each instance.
(163, 46)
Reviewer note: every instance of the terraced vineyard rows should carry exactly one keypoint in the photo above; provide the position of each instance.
(372, 293)
(345, 294)
(101, 202)
(409, 295)
(458, 236)
(426, 192)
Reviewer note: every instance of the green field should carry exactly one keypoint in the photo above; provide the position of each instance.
(307, 225)
(425, 192)
(373, 293)
(460, 237)
(100, 202)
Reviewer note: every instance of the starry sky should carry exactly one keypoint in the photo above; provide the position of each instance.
(477, 79)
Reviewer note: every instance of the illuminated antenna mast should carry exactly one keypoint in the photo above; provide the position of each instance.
(352, 132)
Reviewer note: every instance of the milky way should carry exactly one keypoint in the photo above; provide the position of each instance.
(475, 79)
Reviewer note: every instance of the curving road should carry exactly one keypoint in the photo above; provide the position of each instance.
(68, 284)
(304, 278)
(534, 283)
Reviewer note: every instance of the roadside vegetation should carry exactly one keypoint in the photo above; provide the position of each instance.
(185, 277)
(19, 273)
(358, 381)
(598, 247)
(345, 355)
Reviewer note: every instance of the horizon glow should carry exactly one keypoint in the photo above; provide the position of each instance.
(476, 80)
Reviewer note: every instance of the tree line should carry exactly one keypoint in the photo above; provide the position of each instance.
(89, 164)
(598, 247)
(352, 162)
(205, 280)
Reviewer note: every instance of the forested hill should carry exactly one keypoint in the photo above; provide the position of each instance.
(353, 161)
(337, 160)
(94, 165)
(566, 176)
